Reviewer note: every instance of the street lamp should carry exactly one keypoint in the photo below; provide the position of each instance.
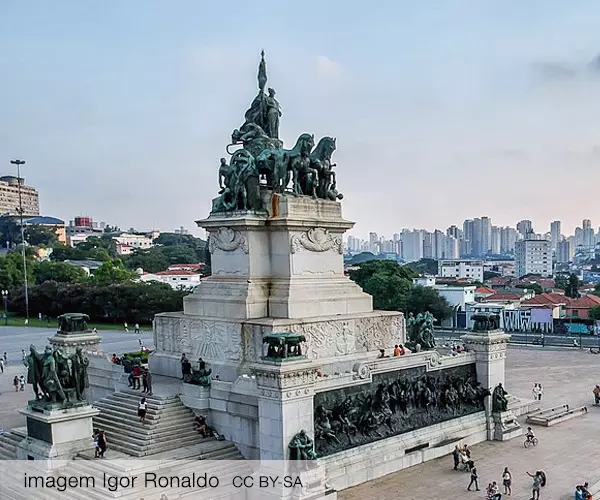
(18, 163)
(5, 299)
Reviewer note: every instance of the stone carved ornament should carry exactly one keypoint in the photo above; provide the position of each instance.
(228, 240)
(316, 239)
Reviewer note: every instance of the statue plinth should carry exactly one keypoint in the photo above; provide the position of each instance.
(56, 433)
(506, 425)
(73, 332)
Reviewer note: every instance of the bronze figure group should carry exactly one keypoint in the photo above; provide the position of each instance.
(394, 403)
(262, 160)
(57, 378)
(420, 331)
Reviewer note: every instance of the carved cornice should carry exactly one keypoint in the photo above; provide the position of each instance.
(317, 239)
(228, 240)
(296, 379)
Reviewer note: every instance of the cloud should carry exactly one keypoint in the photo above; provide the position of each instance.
(328, 68)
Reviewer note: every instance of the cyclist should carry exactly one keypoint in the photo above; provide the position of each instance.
(530, 435)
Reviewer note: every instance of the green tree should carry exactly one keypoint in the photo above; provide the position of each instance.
(359, 258)
(388, 283)
(11, 269)
(10, 232)
(38, 235)
(424, 266)
(561, 282)
(61, 272)
(62, 252)
(572, 288)
(536, 287)
(171, 239)
(488, 275)
(594, 313)
(422, 299)
(111, 272)
(151, 260)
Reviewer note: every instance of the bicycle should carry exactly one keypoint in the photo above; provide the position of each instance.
(530, 442)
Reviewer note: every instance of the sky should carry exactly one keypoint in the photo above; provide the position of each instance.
(443, 110)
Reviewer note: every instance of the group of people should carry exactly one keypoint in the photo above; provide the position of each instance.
(137, 374)
(100, 443)
(19, 383)
(582, 492)
(136, 328)
(462, 457)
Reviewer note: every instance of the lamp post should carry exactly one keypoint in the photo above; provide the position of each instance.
(18, 163)
(5, 299)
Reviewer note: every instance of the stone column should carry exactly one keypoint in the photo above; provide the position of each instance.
(490, 347)
(285, 407)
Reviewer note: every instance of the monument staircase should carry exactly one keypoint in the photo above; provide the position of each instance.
(9, 441)
(169, 426)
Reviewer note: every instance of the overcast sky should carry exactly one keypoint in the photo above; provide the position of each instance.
(442, 110)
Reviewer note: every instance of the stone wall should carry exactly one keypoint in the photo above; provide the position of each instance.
(105, 377)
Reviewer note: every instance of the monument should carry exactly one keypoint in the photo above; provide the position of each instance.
(59, 418)
(294, 345)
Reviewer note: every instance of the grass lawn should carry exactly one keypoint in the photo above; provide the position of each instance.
(42, 323)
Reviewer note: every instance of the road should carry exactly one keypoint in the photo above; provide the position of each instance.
(556, 340)
(15, 338)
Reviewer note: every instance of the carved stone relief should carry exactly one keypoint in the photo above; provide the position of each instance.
(228, 240)
(316, 239)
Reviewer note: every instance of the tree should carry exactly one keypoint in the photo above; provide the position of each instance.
(10, 233)
(572, 288)
(11, 270)
(388, 283)
(488, 275)
(112, 272)
(62, 252)
(170, 239)
(561, 282)
(60, 272)
(38, 235)
(151, 260)
(362, 257)
(422, 299)
(424, 266)
(594, 313)
(536, 287)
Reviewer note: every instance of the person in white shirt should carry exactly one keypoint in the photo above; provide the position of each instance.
(142, 410)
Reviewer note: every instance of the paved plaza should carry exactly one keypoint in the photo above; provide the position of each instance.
(567, 452)
(13, 339)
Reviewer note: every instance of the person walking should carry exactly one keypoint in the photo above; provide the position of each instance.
(456, 456)
(126, 326)
(540, 391)
(507, 481)
(149, 382)
(535, 487)
(142, 410)
(16, 383)
(144, 380)
(1, 365)
(102, 443)
(474, 478)
(534, 391)
(22, 383)
(137, 328)
(5, 357)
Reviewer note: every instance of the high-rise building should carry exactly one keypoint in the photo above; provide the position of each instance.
(563, 252)
(587, 224)
(427, 245)
(467, 241)
(495, 240)
(451, 248)
(589, 238)
(524, 227)
(555, 234)
(508, 239)
(9, 197)
(454, 231)
(486, 231)
(533, 257)
(411, 245)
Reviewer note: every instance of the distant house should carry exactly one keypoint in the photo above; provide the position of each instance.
(89, 266)
(178, 280)
(580, 308)
(57, 225)
(196, 268)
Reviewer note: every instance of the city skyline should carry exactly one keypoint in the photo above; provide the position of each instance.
(124, 110)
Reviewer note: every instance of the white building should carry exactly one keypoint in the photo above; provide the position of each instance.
(179, 280)
(127, 242)
(533, 257)
(471, 269)
(459, 298)
(427, 281)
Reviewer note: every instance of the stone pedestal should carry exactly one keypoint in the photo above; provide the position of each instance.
(490, 350)
(56, 433)
(285, 407)
(69, 341)
(506, 426)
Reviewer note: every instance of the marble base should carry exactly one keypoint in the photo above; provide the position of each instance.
(69, 341)
(57, 434)
(365, 463)
(506, 426)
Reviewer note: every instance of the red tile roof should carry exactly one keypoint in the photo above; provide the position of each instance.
(546, 299)
(191, 266)
(484, 290)
(502, 297)
(585, 302)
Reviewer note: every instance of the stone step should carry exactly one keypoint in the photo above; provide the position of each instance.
(145, 450)
(155, 433)
(139, 442)
(8, 445)
(133, 423)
